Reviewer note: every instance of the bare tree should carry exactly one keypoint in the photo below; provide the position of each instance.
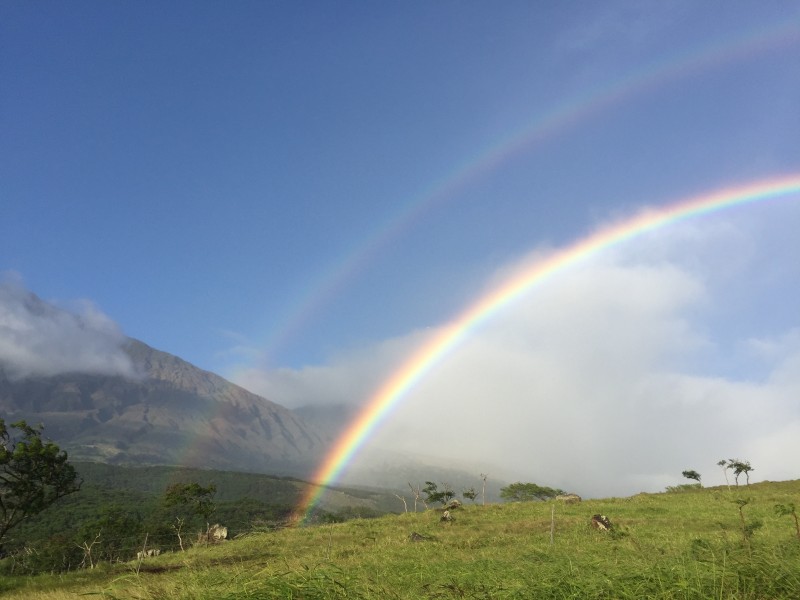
(87, 551)
(725, 466)
(484, 476)
(418, 497)
(403, 498)
(178, 527)
(141, 554)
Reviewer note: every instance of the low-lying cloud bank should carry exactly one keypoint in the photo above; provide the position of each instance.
(611, 378)
(38, 339)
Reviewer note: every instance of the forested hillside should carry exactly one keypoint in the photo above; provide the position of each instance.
(118, 510)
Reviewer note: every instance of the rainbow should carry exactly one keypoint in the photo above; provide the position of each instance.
(540, 128)
(449, 337)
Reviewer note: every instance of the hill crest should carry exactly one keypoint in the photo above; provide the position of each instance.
(171, 412)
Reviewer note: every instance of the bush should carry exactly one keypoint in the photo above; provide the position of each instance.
(684, 487)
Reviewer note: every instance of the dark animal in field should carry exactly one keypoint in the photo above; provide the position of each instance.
(602, 523)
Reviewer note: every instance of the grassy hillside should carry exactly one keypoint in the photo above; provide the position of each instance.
(693, 544)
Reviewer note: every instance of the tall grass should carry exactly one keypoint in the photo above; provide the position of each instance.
(695, 544)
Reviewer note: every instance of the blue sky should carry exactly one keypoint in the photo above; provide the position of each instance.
(290, 193)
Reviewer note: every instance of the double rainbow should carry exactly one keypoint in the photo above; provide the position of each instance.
(436, 349)
(538, 129)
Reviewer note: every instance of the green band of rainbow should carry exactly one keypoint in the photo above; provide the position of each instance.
(437, 348)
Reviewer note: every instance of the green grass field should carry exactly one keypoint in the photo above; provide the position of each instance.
(692, 544)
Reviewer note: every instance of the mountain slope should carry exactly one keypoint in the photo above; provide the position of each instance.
(170, 413)
(328, 421)
(107, 398)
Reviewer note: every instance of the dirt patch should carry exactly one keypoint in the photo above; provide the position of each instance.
(159, 568)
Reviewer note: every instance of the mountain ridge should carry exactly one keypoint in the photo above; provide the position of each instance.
(105, 397)
(171, 412)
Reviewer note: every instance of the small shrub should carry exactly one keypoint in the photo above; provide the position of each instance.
(683, 487)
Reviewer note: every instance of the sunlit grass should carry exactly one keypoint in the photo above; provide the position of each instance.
(679, 545)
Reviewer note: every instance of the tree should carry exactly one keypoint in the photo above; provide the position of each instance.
(748, 529)
(789, 510)
(470, 494)
(403, 500)
(87, 547)
(739, 467)
(33, 475)
(691, 474)
(178, 527)
(417, 492)
(116, 532)
(197, 499)
(725, 466)
(434, 494)
(194, 499)
(527, 492)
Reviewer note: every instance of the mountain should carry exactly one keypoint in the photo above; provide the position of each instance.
(170, 412)
(328, 421)
(107, 398)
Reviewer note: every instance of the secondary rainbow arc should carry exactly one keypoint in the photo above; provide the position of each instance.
(540, 128)
(437, 348)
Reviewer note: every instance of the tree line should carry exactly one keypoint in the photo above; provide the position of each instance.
(35, 474)
(99, 522)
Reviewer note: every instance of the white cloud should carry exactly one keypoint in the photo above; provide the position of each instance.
(603, 380)
(783, 353)
(348, 379)
(37, 338)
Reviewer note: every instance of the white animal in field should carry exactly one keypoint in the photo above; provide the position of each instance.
(568, 498)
